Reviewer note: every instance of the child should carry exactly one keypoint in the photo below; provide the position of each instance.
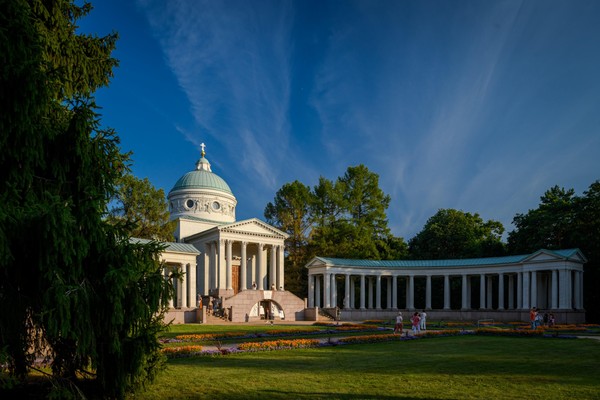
(415, 322)
(398, 326)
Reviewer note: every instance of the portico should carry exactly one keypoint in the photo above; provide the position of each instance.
(246, 255)
(507, 286)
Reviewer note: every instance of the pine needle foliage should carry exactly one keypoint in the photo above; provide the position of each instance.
(72, 286)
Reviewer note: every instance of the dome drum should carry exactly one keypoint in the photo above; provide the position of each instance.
(200, 193)
(189, 204)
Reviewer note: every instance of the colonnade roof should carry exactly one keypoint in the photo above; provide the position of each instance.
(172, 247)
(567, 254)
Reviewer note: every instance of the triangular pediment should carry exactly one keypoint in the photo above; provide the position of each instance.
(553, 255)
(253, 226)
(316, 262)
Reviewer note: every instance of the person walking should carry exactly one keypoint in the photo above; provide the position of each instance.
(398, 327)
(415, 322)
(423, 320)
(532, 317)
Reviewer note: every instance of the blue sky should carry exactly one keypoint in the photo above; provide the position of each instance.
(479, 106)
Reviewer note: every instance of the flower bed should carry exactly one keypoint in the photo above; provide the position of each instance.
(212, 336)
(278, 345)
(181, 351)
(287, 344)
(440, 333)
(368, 339)
(509, 332)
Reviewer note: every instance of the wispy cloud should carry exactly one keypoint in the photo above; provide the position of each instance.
(479, 107)
(232, 60)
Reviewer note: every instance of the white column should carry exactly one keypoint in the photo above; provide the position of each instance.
(565, 289)
(534, 293)
(317, 291)
(222, 265)
(192, 295)
(500, 291)
(327, 290)
(428, 293)
(520, 290)
(183, 284)
(395, 292)
(378, 292)
(272, 269)
(352, 293)
(333, 291)
(214, 265)
(554, 290)
(464, 305)
(243, 267)
(482, 292)
(370, 283)
(254, 270)
(511, 292)
(446, 292)
(280, 262)
(577, 290)
(489, 291)
(389, 293)
(347, 292)
(311, 291)
(260, 268)
(362, 292)
(228, 261)
(526, 295)
(580, 290)
(206, 264)
(168, 278)
(411, 293)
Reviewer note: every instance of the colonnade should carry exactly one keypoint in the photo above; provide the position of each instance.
(556, 288)
(185, 286)
(260, 266)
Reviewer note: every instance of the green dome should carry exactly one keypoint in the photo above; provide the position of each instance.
(202, 178)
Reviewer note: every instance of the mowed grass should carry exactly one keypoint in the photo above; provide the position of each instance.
(462, 367)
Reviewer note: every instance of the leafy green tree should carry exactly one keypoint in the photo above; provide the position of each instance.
(71, 284)
(456, 234)
(290, 212)
(350, 217)
(327, 238)
(587, 238)
(565, 220)
(138, 202)
(550, 226)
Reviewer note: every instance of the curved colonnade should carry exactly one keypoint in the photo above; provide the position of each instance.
(550, 280)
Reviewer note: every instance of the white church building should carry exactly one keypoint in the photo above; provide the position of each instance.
(235, 269)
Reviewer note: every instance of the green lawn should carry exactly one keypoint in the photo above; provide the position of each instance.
(462, 367)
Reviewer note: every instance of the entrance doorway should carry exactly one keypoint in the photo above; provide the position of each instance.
(235, 278)
(267, 310)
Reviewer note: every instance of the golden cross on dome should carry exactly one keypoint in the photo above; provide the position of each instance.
(202, 145)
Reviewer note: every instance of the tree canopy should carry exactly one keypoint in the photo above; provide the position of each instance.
(72, 286)
(144, 207)
(290, 212)
(564, 220)
(456, 234)
(346, 218)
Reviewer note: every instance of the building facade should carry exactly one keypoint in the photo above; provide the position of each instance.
(238, 266)
(505, 287)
